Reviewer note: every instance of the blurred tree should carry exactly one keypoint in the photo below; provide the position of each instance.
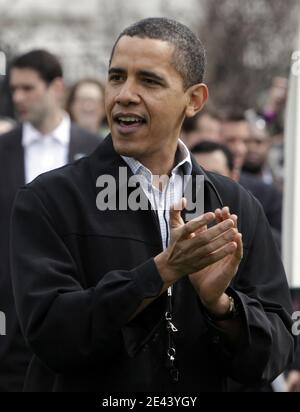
(248, 42)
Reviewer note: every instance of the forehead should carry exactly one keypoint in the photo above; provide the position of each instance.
(24, 75)
(143, 53)
(88, 90)
(238, 129)
(260, 135)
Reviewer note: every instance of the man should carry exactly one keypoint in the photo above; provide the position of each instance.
(236, 133)
(204, 126)
(46, 139)
(135, 299)
(214, 157)
(258, 148)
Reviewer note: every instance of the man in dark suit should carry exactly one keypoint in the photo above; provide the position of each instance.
(135, 298)
(44, 140)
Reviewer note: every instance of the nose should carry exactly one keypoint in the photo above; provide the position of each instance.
(241, 148)
(18, 96)
(128, 94)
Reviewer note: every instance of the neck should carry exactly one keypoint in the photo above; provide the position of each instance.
(50, 122)
(161, 164)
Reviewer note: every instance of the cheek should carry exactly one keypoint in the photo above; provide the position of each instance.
(34, 99)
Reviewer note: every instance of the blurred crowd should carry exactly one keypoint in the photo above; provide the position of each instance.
(247, 146)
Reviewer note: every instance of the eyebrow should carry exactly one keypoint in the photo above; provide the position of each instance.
(117, 70)
(152, 75)
(146, 73)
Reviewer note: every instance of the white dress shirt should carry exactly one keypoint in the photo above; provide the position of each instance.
(161, 201)
(45, 152)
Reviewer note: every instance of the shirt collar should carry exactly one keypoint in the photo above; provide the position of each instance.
(183, 161)
(61, 133)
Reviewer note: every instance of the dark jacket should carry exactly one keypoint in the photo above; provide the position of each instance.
(14, 355)
(79, 274)
(268, 195)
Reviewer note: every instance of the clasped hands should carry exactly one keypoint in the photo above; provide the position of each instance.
(210, 256)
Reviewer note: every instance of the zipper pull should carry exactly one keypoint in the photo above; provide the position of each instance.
(172, 326)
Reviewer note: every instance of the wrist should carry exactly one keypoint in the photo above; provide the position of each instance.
(219, 307)
(167, 273)
(219, 313)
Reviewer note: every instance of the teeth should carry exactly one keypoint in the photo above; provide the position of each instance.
(129, 119)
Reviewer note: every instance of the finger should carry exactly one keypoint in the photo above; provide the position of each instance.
(201, 229)
(225, 213)
(235, 219)
(239, 241)
(198, 223)
(215, 244)
(218, 214)
(239, 250)
(205, 237)
(175, 214)
(222, 214)
(216, 256)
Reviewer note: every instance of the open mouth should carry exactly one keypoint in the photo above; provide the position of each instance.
(129, 121)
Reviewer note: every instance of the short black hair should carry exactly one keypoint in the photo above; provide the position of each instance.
(210, 147)
(190, 123)
(234, 115)
(189, 54)
(44, 63)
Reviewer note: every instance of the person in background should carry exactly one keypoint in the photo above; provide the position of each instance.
(205, 125)
(214, 157)
(6, 124)
(44, 140)
(236, 132)
(272, 104)
(258, 144)
(85, 104)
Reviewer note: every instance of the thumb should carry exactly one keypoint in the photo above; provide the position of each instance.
(175, 213)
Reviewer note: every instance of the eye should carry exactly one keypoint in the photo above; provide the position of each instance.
(151, 82)
(116, 77)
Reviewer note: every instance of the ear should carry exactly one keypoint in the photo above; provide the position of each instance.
(58, 86)
(198, 95)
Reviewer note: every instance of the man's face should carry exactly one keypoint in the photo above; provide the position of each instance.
(214, 162)
(31, 95)
(258, 145)
(234, 136)
(209, 128)
(145, 99)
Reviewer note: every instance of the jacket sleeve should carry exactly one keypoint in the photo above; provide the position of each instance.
(66, 326)
(262, 294)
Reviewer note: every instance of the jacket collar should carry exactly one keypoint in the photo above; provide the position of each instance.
(105, 160)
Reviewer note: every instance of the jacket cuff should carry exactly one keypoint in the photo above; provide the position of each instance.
(148, 280)
(218, 335)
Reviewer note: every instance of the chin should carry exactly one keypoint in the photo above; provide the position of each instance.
(125, 148)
